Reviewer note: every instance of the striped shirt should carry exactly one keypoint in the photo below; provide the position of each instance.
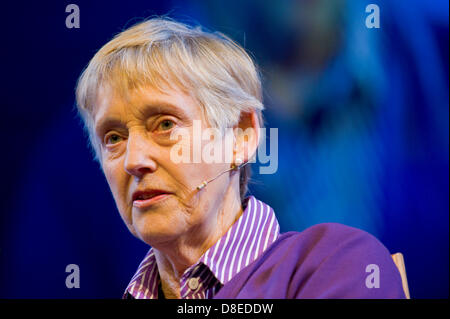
(243, 243)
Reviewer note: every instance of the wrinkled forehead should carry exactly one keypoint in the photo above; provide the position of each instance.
(110, 96)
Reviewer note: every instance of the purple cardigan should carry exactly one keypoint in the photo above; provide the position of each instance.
(324, 261)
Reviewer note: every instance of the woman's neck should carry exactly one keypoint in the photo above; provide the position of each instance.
(174, 258)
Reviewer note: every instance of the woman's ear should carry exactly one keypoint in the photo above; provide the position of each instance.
(247, 136)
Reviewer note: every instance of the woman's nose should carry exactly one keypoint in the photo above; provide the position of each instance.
(139, 155)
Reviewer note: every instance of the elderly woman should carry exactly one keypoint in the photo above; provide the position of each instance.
(155, 81)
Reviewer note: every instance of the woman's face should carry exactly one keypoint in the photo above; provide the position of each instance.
(157, 197)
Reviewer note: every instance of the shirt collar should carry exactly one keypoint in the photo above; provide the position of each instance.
(243, 243)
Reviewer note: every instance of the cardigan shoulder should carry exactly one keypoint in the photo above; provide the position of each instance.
(327, 260)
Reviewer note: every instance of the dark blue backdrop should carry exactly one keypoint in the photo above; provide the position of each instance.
(363, 133)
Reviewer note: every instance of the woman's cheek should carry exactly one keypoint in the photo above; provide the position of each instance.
(117, 181)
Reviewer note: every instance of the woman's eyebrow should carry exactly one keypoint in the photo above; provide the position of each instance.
(159, 107)
(107, 122)
(149, 109)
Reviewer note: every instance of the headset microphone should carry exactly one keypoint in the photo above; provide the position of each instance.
(235, 166)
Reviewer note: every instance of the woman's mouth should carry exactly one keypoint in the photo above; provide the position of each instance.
(144, 199)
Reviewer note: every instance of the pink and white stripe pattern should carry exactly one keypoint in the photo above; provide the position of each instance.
(243, 243)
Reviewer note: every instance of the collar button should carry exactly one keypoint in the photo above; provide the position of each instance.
(193, 283)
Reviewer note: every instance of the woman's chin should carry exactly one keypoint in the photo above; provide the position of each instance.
(155, 228)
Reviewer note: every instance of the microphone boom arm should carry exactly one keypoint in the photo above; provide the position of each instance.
(233, 167)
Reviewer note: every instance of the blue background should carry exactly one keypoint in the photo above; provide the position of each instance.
(363, 133)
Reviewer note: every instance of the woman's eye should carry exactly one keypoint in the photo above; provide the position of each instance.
(165, 125)
(113, 139)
